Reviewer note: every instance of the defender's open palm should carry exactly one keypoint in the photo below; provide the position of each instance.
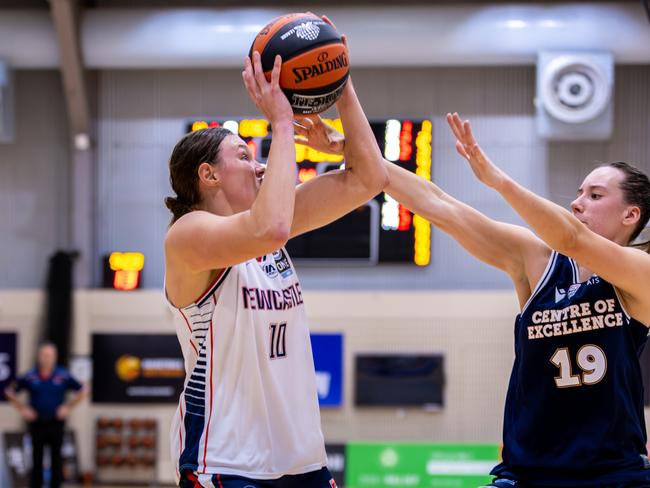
(313, 132)
(468, 148)
(267, 95)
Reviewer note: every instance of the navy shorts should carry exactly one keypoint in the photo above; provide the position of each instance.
(315, 479)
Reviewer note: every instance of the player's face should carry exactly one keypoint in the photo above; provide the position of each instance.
(241, 176)
(600, 203)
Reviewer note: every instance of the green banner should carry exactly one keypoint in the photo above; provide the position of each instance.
(400, 465)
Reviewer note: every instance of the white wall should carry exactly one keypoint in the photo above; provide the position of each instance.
(472, 329)
(34, 170)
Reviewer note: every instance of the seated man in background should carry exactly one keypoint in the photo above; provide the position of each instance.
(47, 384)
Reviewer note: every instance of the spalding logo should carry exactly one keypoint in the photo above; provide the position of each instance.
(304, 72)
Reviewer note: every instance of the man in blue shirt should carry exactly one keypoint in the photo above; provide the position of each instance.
(47, 384)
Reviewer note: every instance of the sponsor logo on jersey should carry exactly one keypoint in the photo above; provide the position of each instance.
(282, 263)
(268, 266)
(561, 293)
(573, 289)
(278, 265)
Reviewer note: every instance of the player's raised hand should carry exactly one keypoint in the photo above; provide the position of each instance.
(311, 131)
(467, 147)
(267, 95)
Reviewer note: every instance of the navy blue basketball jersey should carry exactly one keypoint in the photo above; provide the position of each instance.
(574, 409)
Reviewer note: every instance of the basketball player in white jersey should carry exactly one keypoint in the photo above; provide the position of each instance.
(248, 416)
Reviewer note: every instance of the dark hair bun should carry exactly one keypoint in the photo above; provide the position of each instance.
(177, 206)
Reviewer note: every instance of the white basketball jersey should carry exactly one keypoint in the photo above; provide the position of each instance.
(250, 405)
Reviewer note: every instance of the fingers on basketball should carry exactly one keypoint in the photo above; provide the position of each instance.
(299, 129)
(257, 70)
(328, 20)
(275, 74)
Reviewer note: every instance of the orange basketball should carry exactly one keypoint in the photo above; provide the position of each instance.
(314, 60)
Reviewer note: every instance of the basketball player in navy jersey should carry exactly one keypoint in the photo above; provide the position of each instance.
(248, 416)
(574, 409)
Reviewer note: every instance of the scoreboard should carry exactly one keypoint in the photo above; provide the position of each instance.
(382, 230)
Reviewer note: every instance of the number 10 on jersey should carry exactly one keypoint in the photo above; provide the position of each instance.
(277, 332)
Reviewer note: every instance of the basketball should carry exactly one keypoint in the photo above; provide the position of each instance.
(314, 60)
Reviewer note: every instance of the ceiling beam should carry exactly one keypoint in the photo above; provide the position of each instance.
(65, 16)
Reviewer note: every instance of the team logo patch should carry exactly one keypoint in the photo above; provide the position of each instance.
(277, 263)
(561, 293)
(573, 289)
(282, 263)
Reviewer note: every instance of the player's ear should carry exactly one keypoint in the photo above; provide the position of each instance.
(208, 175)
(632, 215)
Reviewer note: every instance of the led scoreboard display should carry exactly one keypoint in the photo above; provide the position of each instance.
(381, 231)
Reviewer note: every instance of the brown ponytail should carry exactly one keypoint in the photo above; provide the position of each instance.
(177, 207)
(201, 146)
(643, 241)
(636, 191)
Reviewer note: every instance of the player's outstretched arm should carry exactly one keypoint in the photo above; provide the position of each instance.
(508, 247)
(626, 268)
(329, 196)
